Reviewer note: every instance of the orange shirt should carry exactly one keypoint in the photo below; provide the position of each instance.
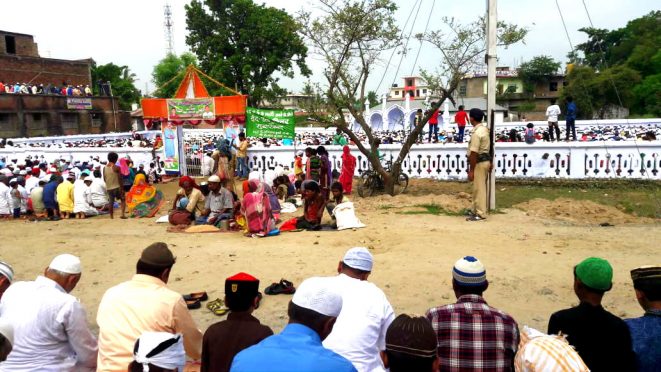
(142, 304)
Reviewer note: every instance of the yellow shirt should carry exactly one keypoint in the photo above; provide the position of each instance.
(479, 142)
(195, 200)
(140, 305)
(242, 152)
(65, 196)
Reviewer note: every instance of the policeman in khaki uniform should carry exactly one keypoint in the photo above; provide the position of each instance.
(479, 160)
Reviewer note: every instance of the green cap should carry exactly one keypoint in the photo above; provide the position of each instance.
(595, 273)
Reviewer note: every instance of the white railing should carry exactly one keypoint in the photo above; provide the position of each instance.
(576, 160)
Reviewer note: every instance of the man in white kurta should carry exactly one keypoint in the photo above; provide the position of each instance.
(50, 325)
(80, 201)
(359, 333)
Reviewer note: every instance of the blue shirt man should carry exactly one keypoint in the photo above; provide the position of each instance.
(646, 330)
(312, 313)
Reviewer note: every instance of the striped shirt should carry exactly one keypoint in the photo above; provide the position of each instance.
(473, 336)
(547, 353)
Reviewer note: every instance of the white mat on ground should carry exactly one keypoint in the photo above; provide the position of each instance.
(345, 216)
(287, 207)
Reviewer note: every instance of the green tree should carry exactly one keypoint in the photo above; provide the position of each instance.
(373, 98)
(350, 36)
(648, 96)
(168, 73)
(536, 71)
(122, 82)
(595, 92)
(242, 45)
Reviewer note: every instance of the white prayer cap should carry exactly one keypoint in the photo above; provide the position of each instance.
(469, 271)
(6, 271)
(214, 178)
(319, 294)
(161, 349)
(23, 173)
(7, 330)
(88, 178)
(359, 258)
(66, 263)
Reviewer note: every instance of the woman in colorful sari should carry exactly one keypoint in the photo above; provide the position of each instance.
(256, 208)
(348, 169)
(143, 200)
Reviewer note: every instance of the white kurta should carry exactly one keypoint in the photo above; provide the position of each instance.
(5, 207)
(50, 329)
(360, 331)
(80, 202)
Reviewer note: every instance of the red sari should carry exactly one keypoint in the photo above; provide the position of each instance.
(348, 168)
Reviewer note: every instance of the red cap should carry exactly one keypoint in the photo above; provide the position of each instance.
(243, 277)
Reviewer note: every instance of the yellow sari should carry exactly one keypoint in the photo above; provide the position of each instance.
(143, 200)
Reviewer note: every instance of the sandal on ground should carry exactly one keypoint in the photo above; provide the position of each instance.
(193, 304)
(475, 218)
(199, 296)
(283, 287)
(218, 307)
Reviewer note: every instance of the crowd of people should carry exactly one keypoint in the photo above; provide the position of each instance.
(31, 88)
(64, 189)
(265, 195)
(337, 323)
(132, 140)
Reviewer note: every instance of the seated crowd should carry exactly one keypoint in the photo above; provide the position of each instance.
(64, 189)
(130, 140)
(337, 323)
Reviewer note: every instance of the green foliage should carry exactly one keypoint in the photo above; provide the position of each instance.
(168, 73)
(632, 52)
(122, 82)
(373, 98)
(537, 70)
(594, 92)
(242, 44)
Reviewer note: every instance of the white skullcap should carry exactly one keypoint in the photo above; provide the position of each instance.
(23, 173)
(359, 258)
(88, 178)
(214, 178)
(7, 330)
(469, 271)
(6, 271)
(319, 294)
(66, 263)
(299, 152)
(161, 349)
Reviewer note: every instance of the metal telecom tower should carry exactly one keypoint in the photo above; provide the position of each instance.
(168, 29)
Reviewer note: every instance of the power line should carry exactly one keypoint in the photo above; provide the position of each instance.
(395, 49)
(406, 45)
(426, 27)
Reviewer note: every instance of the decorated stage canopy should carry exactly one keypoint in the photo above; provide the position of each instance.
(192, 104)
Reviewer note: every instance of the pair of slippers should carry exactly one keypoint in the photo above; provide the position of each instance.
(282, 287)
(194, 300)
(219, 308)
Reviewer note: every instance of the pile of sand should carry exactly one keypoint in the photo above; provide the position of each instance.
(578, 211)
(452, 203)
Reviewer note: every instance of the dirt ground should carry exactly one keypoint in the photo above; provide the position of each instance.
(529, 253)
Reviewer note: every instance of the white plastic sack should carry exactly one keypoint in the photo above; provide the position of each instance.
(162, 219)
(287, 207)
(345, 217)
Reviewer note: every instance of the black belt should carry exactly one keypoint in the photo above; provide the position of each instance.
(483, 157)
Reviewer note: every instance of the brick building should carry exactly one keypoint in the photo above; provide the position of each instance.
(45, 114)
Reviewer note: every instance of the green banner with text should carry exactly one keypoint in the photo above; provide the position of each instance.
(269, 123)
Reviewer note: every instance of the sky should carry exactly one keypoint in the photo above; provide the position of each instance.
(131, 32)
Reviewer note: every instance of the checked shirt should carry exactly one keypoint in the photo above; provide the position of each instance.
(473, 336)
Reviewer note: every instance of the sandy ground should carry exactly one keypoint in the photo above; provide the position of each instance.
(529, 255)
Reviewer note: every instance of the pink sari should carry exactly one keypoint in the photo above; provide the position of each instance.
(256, 207)
(348, 168)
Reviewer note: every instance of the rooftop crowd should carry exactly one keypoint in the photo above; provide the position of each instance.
(54, 89)
(337, 323)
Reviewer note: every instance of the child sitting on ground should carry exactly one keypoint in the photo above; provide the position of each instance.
(337, 197)
(313, 207)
